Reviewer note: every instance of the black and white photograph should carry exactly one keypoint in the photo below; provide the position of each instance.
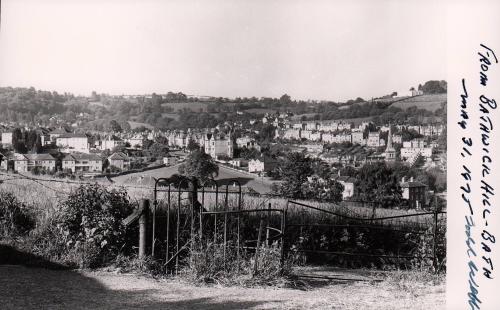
(226, 155)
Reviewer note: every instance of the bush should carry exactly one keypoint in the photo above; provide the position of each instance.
(91, 222)
(15, 218)
(47, 241)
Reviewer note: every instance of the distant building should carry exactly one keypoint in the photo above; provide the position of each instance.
(414, 148)
(120, 161)
(397, 139)
(414, 192)
(415, 143)
(390, 151)
(7, 138)
(247, 142)
(374, 139)
(328, 138)
(111, 142)
(344, 126)
(238, 162)
(262, 164)
(357, 138)
(82, 163)
(54, 134)
(170, 160)
(72, 142)
(3, 162)
(28, 162)
(328, 126)
(310, 135)
(312, 126)
(219, 146)
(348, 183)
(136, 141)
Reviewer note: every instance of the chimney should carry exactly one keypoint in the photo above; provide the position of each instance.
(403, 180)
(411, 179)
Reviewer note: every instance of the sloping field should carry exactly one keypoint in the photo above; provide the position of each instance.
(260, 111)
(193, 106)
(261, 185)
(427, 102)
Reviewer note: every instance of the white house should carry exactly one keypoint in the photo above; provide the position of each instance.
(73, 142)
(357, 138)
(348, 183)
(111, 142)
(261, 164)
(218, 146)
(7, 138)
(374, 140)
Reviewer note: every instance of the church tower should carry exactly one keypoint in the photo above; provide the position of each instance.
(390, 152)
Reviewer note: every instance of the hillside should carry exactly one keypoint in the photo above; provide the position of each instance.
(427, 102)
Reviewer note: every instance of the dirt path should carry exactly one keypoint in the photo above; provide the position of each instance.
(35, 288)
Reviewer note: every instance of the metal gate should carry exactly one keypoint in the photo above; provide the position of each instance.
(186, 218)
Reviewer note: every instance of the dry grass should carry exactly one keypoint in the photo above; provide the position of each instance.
(45, 195)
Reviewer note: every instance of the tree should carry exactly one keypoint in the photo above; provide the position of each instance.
(17, 141)
(158, 150)
(192, 145)
(285, 99)
(323, 190)
(115, 126)
(434, 87)
(37, 148)
(294, 170)
(377, 183)
(200, 165)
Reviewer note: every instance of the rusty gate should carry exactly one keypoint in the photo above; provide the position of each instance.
(187, 218)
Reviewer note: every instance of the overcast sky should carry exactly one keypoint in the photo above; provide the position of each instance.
(333, 50)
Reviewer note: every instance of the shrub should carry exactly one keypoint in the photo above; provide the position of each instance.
(47, 241)
(15, 218)
(91, 221)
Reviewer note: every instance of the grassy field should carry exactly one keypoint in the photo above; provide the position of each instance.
(193, 106)
(427, 102)
(35, 288)
(44, 192)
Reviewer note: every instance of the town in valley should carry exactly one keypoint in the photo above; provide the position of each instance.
(63, 136)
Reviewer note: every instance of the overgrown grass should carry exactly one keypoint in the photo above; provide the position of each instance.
(42, 201)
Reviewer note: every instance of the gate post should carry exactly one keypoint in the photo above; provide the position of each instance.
(283, 229)
(143, 220)
(434, 235)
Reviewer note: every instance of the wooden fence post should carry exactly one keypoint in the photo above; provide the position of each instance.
(143, 222)
(434, 233)
(259, 236)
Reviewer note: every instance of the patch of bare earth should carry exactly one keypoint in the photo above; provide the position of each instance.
(36, 288)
